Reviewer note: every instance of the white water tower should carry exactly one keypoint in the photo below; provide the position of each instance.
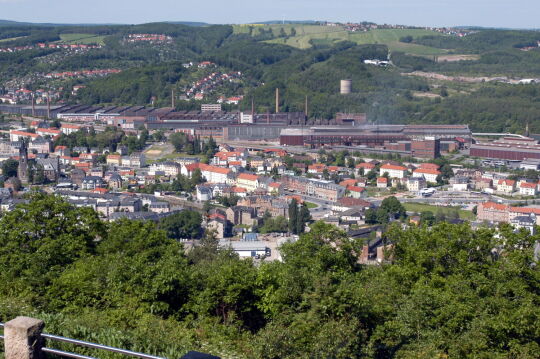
(346, 87)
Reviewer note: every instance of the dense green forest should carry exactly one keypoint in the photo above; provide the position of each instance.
(450, 291)
(495, 107)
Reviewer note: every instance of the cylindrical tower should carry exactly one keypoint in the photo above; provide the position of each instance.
(346, 86)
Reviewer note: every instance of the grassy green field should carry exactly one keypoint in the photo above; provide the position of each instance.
(82, 39)
(420, 207)
(13, 38)
(325, 35)
(311, 205)
(164, 152)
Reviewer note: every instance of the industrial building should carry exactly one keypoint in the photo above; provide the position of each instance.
(419, 141)
(507, 148)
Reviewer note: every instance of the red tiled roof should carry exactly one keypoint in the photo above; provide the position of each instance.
(353, 202)
(193, 166)
(506, 182)
(527, 185)
(238, 189)
(23, 133)
(393, 167)
(495, 206)
(296, 197)
(365, 165)
(348, 182)
(49, 130)
(247, 176)
(525, 210)
(429, 166)
(208, 168)
(428, 171)
(69, 125)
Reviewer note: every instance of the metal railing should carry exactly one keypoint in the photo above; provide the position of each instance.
(62, 353)
(89, 345)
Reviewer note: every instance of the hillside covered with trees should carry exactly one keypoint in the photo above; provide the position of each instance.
(449, 292)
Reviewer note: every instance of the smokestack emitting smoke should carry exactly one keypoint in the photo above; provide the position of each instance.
(173, 105)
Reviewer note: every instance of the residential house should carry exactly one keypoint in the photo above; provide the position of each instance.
(526, 222)
(48, 132)
(92, 182)
(506, 186)
(77, 176)
(429, 166)
(248, 181)
(316, 168)
(217, 221)
(348, 182)
(169, 168)
(353, 216)
(68, 128)
(527, 189)
(40, 145)
(346, 203)
(262, 204)
(429, 174)
(492, 212)
(239, 215)
(136, 159)
(275, 188)
(460, 183)
(514, 212)
(393, 171)
(416, 183)
(114, 160)
(115, 181)
(366, 166)
(356, 192)
(483, 183)
(382, 182)
(18, 135)
(159, 207)
(50, 168)
(212, 174)
(203, 193)
(130, 205)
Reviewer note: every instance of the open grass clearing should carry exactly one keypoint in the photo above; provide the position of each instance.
(12, 38)
(311, 205)
(82, 39)
(308, 35)
(421, 207)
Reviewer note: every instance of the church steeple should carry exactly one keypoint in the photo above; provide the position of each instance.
(22, 170)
